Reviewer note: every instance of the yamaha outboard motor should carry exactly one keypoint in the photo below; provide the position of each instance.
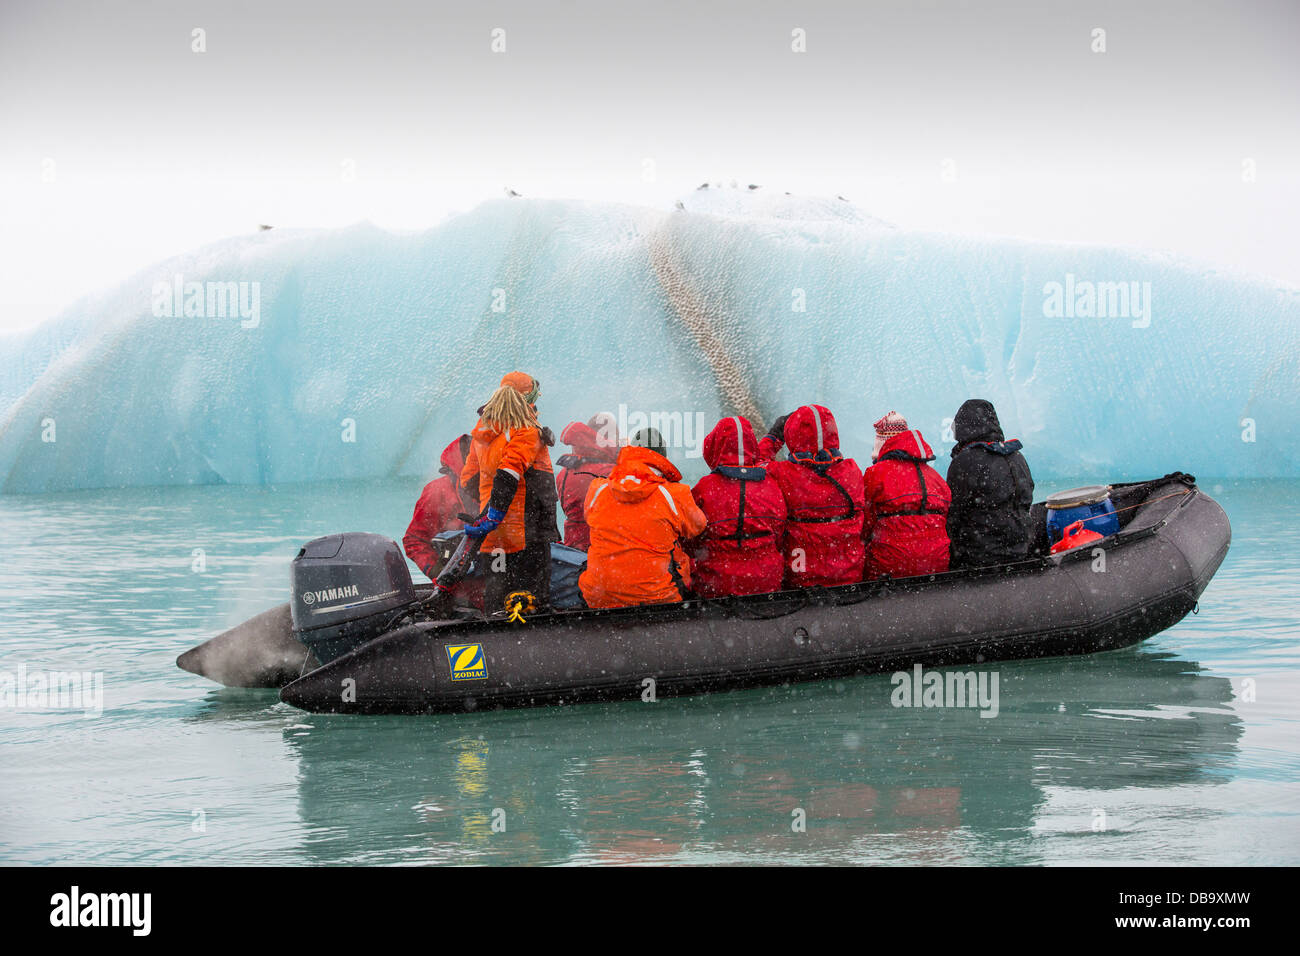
(347, 589)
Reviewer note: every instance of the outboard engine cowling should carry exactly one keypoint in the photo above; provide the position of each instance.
(347, 589)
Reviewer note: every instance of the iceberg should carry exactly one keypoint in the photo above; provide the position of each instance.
(301, 355)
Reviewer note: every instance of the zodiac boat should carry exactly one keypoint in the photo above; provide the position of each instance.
(359, 637)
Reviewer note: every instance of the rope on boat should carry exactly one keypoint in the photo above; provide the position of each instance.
(1140, 504)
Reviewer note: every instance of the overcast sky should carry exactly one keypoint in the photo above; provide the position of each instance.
(120, 145)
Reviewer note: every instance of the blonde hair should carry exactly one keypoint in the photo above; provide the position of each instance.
(508, 409)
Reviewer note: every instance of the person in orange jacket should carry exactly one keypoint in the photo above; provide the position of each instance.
(510, 464)
(640, 518)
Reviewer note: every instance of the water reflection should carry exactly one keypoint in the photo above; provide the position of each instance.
(728, 777)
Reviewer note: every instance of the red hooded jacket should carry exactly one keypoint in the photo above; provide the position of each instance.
(740, 550)
(823, 500)
(436, 510)
(907, 511)
(590, 459)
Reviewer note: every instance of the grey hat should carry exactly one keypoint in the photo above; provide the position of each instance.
(650, 438)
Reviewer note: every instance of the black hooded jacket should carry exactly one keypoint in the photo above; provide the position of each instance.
(992, 491)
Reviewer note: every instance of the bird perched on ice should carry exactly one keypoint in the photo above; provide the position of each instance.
(511, 193)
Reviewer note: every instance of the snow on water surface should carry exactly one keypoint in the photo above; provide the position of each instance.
(690, 310)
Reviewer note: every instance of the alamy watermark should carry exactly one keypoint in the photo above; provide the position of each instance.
(52, 690)
(679, 430)
(75, 908)
(1085, 299)
(208, 300)
(921, 688)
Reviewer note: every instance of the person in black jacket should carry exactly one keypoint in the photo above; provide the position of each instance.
(992, 491)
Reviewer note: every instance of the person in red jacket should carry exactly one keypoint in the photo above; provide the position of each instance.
(437, 509)
(740, 550)
(907, 505)
(595, 449)
(823, 500)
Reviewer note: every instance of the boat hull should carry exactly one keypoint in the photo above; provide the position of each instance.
(1131, 587)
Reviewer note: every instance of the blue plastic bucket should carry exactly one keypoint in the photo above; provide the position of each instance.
(1090, 504)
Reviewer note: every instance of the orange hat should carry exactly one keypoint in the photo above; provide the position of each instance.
(523, 383)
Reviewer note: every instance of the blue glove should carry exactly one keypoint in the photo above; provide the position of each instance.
(485, 525)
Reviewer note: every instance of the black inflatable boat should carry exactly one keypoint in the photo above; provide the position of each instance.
(356, 638)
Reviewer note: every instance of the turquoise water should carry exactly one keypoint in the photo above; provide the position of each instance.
(1154, 754)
